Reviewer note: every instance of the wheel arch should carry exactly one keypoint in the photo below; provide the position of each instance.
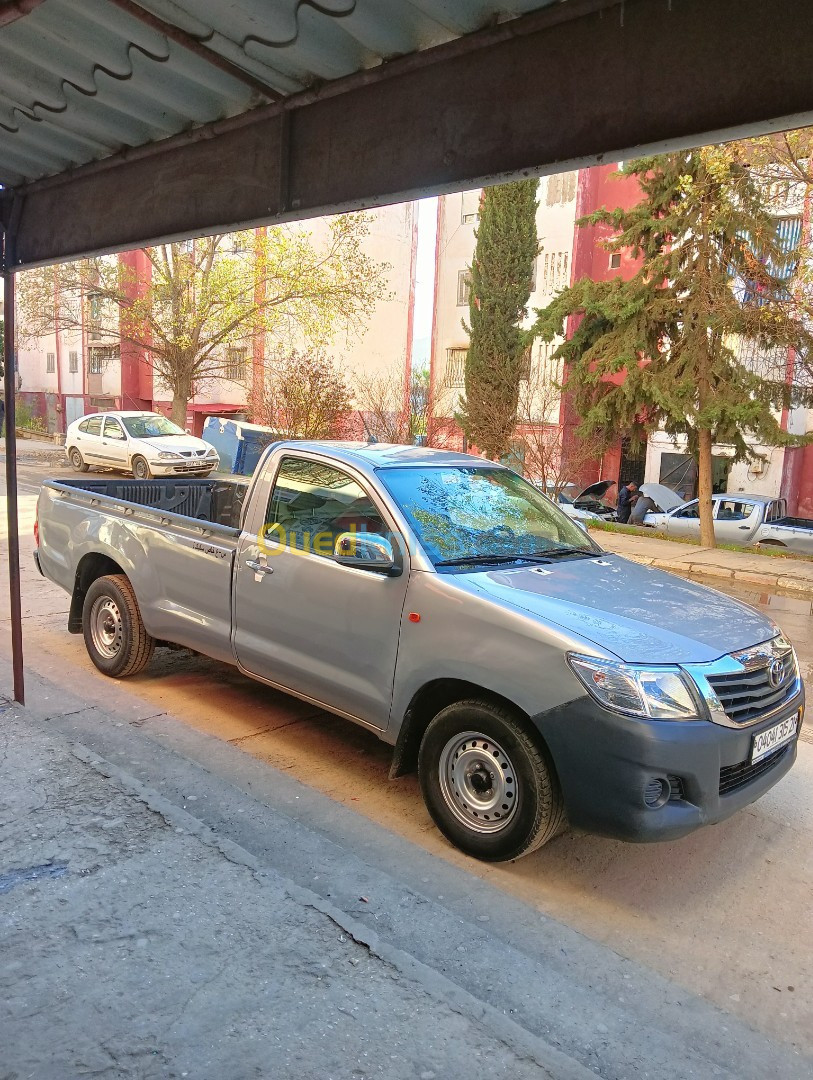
(90, 567)
(426, 703)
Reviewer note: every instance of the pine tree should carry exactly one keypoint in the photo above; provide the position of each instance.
(664, 348)
(501, 280)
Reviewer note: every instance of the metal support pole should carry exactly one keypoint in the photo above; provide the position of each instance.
(10, 360)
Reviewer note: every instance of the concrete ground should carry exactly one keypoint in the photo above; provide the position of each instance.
(138, 943)
(684, 959)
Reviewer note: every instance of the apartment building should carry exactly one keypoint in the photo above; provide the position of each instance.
(569, 253)
(63, 376)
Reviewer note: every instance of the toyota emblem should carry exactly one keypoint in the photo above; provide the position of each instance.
(776, 672)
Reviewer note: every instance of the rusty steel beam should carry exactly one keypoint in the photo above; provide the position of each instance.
(12, 520)
(573, 84)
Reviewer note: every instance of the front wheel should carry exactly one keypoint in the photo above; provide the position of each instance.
(114, 632)
(489, 785)
(141, 470)
(77, 461)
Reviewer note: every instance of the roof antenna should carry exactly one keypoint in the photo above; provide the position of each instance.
(371, 439)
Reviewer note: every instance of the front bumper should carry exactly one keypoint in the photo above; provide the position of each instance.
(605, 760)
(181, 468)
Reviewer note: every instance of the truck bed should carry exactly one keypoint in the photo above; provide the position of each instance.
(793, 522)
(214, 500)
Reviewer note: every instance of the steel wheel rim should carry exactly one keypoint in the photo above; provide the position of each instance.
(478, 782)
(106, 627)
(140, 470)
(76, 459)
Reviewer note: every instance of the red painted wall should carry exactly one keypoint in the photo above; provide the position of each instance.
(598, 187)
(136, 370)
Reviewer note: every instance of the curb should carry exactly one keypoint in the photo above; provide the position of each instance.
(800, 587)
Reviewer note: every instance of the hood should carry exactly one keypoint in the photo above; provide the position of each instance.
(595, 491)
(662, 496)
(178, 444)
(641, 615)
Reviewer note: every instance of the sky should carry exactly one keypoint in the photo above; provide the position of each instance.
(424, 280)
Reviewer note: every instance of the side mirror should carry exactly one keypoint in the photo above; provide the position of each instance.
(366, 551)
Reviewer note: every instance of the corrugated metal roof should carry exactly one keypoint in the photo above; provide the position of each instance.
(82, 79)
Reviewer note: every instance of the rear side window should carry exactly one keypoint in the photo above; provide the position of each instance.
(734, 510)
(93, 426)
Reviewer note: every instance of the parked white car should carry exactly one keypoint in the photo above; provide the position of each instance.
(145, 444)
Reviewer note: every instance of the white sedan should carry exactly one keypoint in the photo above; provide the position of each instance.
(145, 444)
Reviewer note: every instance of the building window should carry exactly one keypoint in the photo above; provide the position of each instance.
(455, 367)
(50, 363)
(561, 188)
(73, 361)
(463, 287)
(615, 260)
(525, 364)
(100, 356)
(470, 207)
(235, 368)
(555, 275)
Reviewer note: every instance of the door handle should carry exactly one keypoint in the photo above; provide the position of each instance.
(258, 567)
(744, 526)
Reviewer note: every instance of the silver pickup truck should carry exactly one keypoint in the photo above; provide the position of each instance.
(447, 605)
(751, 520)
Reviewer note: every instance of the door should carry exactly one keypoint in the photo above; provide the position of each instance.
(685, 521)
(89, 440)
(113, 450)
(303, 621)
(735, 520)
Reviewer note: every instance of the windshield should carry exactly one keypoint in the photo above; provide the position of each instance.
(473, 513)
(145, 427)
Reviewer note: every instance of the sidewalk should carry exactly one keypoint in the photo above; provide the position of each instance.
(135, 943)
(792, 575)
(36, 452)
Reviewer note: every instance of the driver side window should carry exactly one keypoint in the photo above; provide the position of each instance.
(113, 430)
(312, 503)
(690, 511)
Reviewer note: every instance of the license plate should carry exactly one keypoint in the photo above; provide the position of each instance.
(773, 738)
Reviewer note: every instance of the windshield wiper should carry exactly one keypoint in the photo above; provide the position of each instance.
(466, 560)
(554, 553)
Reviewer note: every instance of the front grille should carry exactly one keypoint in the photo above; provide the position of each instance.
(748, 695)
(734, 776)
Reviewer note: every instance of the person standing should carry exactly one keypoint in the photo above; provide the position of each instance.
(627, 497)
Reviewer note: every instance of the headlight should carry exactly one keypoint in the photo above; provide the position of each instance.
(166, 454)
(658, 693)
(211, 452)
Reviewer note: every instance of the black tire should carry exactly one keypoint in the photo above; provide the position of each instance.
(76, 459)
(125, 648)
(141, 470)
(522, 778)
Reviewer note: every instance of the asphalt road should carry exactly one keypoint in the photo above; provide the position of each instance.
(725, 913)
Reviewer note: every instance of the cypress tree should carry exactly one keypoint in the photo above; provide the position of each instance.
(712, 276)
(501, 280)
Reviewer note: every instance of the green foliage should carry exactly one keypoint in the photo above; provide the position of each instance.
(501, 279)
(284, 284)
(669, 336)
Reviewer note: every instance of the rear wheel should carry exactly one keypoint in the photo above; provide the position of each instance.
(114, 633)
(488, 783)
(76, 459)
(141, 470)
